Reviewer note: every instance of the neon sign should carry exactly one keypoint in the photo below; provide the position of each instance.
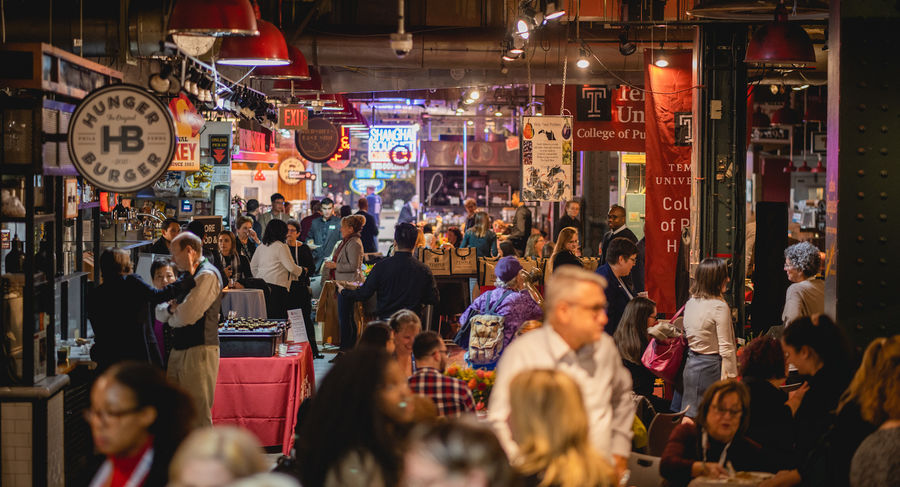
(392, 147)
(341, 158)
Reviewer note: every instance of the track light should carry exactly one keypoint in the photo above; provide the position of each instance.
(582, 62)
(551, 12)
(507, 56)
(474, 94)
(498, 113)
(662, 61)
(469, 101)
(626, 48)
(525, 24)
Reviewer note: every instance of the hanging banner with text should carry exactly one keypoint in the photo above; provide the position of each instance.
(546, 158)
(607, 117)
(669, 136)
(188, 124)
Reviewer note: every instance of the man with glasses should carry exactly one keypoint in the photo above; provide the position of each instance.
(617, 228)
(451, 396)
(620, 259)
(324, 233)
(573, 341)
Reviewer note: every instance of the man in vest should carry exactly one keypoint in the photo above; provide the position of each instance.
(194, 360)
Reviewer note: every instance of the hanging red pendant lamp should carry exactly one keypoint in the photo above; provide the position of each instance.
(819, 167)
(213, 18)
(266, 49)
(297, 70)
(312, 85)
(781, 43)
(786, 116)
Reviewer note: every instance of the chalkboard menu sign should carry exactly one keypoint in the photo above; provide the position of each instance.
(212, 226)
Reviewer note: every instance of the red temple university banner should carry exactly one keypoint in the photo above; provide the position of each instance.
(669, 137)
(607, 117)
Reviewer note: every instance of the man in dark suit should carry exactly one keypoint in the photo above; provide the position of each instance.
(620, 258)
(369, 233)
(617, 228)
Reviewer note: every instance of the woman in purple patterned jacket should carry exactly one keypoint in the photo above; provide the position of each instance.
(516, 308)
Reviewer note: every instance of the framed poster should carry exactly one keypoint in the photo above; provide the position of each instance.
(71, 198)
(546, 151)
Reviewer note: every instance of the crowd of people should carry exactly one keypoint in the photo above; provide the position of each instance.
(567, 369)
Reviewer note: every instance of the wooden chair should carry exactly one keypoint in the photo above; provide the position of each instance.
(644, 471)
(660, 428)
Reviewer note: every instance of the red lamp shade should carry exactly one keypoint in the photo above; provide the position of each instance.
(815, 112)
(760, 119)
(786, 116)
(266, 49)
(819, 167)
(780, 43)
(213, 18)
(312, 85)
(298, 69)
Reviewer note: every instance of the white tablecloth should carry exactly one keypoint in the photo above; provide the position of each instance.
(246, 303)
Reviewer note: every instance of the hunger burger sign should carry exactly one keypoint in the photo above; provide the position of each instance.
(121, 138)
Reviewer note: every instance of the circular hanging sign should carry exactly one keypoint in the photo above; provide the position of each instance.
(319, 141)
(400, 155)
(121, 138)
(290, 170)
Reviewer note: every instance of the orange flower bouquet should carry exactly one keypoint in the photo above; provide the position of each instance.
(479, 381)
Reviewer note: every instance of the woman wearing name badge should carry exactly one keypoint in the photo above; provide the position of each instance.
(299, 292)
(273, 263)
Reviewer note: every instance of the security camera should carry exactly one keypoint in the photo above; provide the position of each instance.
(401, 43)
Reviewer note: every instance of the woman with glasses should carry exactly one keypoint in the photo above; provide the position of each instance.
(714, 446)
(564, 252)
(712, 354)
(137, 420)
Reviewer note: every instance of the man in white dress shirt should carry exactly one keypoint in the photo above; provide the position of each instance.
(572, 340)
(194, 360)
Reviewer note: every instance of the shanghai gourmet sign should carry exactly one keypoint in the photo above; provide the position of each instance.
(392, 147)
(121, 138)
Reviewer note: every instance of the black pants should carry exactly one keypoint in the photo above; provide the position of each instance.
(347, 323)
(277, 303)
(299, 295)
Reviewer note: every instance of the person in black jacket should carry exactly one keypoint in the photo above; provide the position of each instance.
(369, 233)
(771, 419)
(620, 259)
(235, 265)
(520, 229)
(170, 229)
(401, 281)
(632, 339)
(570, 219)
(299, 293)
(119, 310)
(819, 351)
(617, 228)
(564, 251)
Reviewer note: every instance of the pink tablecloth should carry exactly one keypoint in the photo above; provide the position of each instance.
(261, 394)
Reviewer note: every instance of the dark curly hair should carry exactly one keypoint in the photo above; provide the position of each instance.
(762, 359)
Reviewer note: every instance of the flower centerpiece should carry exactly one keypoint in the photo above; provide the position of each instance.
(479, 381)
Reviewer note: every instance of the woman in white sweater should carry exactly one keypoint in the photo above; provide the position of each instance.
(709, 332)
(272, 262)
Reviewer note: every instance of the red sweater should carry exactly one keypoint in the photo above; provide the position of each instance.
(684, 448)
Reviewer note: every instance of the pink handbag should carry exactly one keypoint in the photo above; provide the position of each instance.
(664, 357)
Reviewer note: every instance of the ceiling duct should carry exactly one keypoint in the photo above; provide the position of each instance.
(757, 10)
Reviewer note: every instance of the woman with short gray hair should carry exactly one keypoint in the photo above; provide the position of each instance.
(806, 294)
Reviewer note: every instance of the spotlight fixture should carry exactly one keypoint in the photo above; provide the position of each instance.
(469, 101)
(800, 88)
(474, 94)
(160, 82)
(507, 56)
(582, 62)
(626, 48)
(661, 59)
(470, 123)
(524, 25)
(551, 12)
(498, 112)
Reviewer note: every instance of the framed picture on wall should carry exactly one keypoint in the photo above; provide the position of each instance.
(819, 142)
(71, 199)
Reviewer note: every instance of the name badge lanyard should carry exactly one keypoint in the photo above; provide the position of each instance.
(137, 476)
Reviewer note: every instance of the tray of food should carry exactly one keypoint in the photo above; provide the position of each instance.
(251, 337)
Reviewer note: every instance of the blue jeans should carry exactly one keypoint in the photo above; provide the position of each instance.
(347, 323)
(700, 372)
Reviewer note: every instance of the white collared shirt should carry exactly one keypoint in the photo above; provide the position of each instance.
(597, 368)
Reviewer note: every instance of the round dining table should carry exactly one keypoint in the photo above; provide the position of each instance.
(244, 303)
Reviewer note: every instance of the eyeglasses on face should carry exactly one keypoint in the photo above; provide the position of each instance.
(104, 416)
(732, 412)
(595, 309)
